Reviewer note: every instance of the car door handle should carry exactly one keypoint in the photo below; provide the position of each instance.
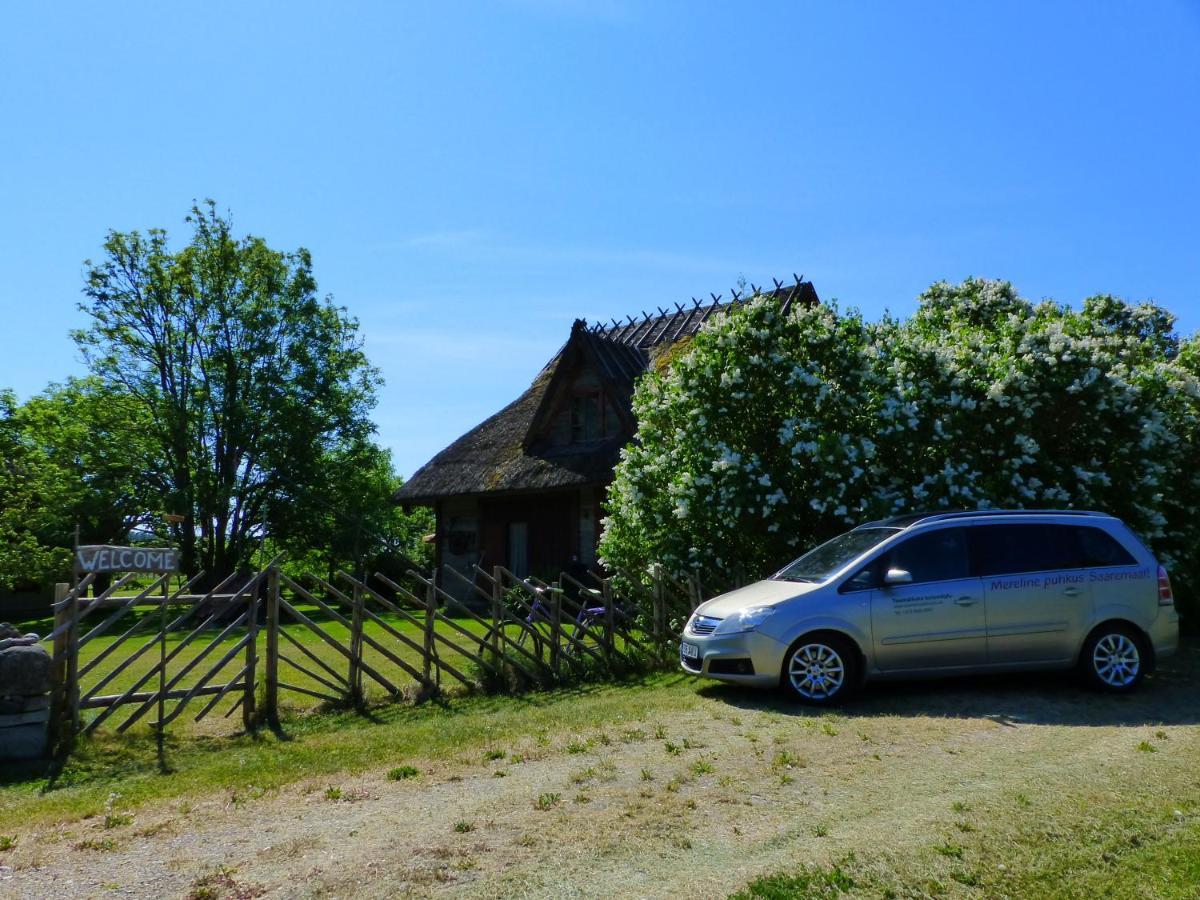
(965, 600)
(1072, 591)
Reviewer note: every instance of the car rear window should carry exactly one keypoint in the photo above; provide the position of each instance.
(1099, 548)
(1009, 549)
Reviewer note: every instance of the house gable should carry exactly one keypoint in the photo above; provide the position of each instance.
(588, 399)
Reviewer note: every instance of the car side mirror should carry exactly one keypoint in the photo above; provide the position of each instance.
(897, 576)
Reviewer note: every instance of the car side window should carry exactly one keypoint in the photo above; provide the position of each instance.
(1099, 548)
(1009, 549)
(933, 556)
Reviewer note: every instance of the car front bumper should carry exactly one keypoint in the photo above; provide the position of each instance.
(749, 657)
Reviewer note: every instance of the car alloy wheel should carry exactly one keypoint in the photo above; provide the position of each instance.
(1116, 660)
(816, 671)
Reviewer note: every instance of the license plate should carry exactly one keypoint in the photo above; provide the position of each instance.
(689, 651)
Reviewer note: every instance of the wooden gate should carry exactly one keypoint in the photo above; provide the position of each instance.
(155, 651)
(151, 649)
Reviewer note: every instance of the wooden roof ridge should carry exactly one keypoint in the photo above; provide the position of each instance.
(503, 453)
(668, 326)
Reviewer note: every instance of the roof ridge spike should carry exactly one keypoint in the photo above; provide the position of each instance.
(687, 318)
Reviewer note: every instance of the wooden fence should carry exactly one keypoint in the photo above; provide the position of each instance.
(261, 643)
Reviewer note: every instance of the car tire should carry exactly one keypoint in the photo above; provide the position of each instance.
(1114, 659)
(820, 669)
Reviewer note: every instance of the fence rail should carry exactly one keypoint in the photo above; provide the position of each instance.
(149, 652)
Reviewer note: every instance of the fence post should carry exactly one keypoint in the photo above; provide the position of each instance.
(659, 613)
(72, 672)
(556, 631)
(610, 636)
(162, 664)
(430, 624)
(354, 676)
(271, 696)
(497, 609)
(248, 699)
(59, 730)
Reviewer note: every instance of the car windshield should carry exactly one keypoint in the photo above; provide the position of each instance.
(817, 565)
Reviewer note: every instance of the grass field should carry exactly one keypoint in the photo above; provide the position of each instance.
(996, 787)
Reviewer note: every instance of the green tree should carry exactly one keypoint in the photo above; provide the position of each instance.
(247, 377)
(98, 457)
(772, 433)
(352, 523)
(26, 496)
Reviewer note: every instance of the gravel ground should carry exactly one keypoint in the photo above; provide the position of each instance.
(696, 805)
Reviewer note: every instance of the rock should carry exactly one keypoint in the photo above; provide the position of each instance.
(26, 641)
(24, 670)
(8, 631)
(35, 717)
(23, 742)
(41, 701)
(10, 706)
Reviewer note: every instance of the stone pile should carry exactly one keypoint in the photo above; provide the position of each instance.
(25, 682)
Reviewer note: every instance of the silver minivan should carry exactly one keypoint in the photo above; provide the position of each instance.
(945, 594)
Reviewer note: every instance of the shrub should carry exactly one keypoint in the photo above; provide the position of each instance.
(772, 433)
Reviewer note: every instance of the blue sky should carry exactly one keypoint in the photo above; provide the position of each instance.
(471, 177)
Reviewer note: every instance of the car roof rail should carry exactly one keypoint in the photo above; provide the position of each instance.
(944, 515)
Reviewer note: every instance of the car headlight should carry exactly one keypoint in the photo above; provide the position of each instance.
(745, 620)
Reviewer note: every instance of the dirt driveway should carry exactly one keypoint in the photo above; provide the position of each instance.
(950, 786)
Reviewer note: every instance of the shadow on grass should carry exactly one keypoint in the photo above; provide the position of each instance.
(1168, 697)
(107, 757)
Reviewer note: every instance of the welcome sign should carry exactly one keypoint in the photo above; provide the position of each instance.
(126, 559)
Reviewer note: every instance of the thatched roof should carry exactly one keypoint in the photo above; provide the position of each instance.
(501, 454)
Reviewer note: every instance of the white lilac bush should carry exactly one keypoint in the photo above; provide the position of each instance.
(775, 432)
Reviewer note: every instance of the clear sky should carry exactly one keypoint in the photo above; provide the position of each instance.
(470, 178)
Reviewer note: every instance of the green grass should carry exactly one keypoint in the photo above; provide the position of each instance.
(1105, 857)
(810, 881)
(317, 745)
(548, 801)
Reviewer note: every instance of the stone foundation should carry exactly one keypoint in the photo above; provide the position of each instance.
(25, 681)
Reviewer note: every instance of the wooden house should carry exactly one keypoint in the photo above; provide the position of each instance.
(524, 489)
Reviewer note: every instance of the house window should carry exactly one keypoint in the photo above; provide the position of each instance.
(586, 418)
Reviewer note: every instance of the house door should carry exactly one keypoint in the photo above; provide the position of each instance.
(518, 548)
